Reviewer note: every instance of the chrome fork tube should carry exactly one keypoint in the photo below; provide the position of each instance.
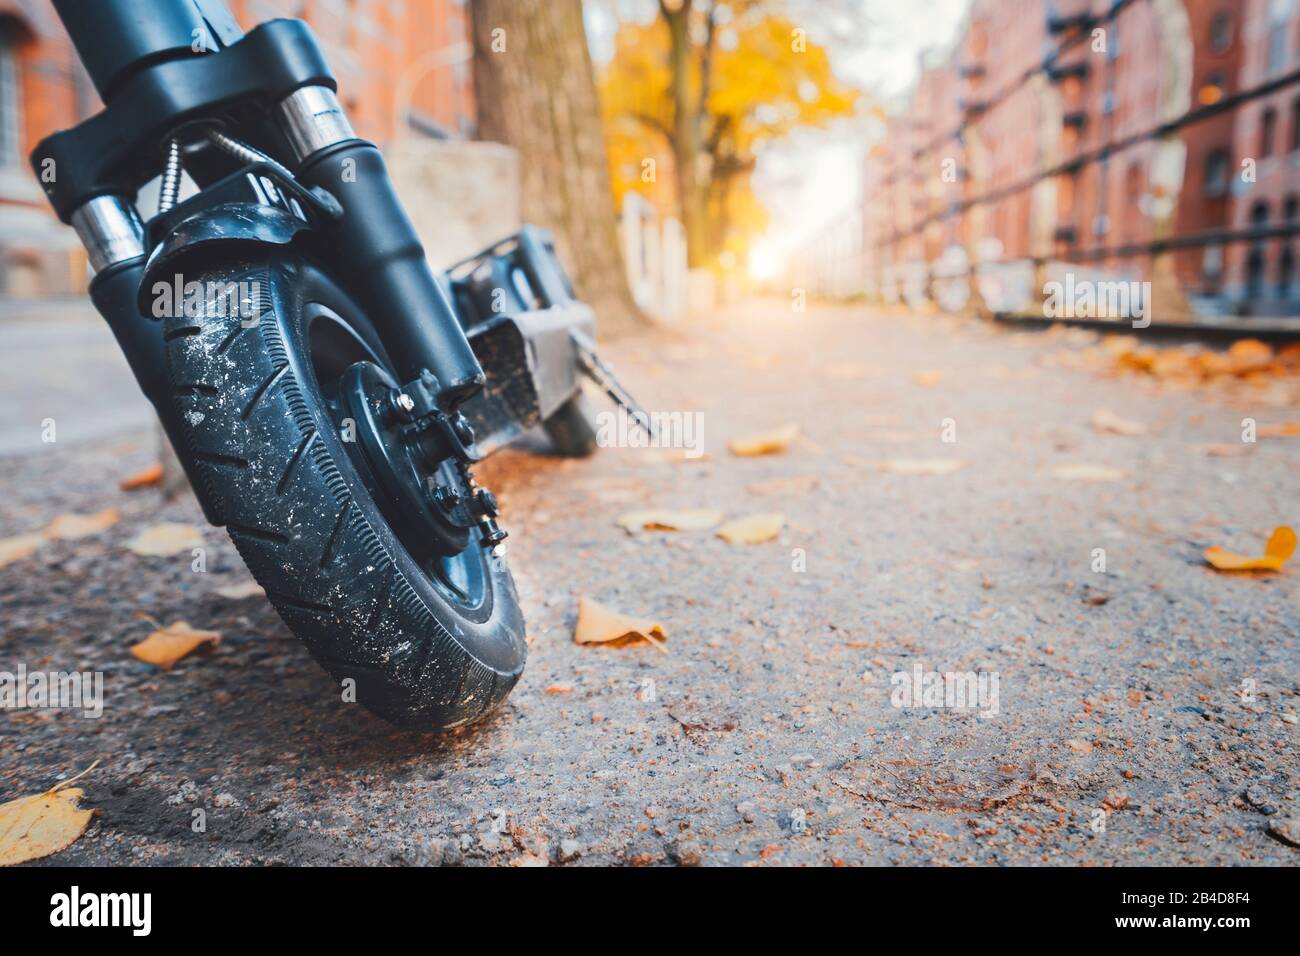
(312, 118)
(110, 229)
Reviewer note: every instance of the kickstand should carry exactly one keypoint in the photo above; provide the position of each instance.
(595, 369)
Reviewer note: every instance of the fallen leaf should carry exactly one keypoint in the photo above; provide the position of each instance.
(1107, 421)
(70, 527)
(798, 485)
(752, 529)
(1280, 547)
(687, 519)
(560, 689)
(142, 479)
(19, 547)
(928, 378)
(768, 443)
(166, 647)
(1249, 354)
(37, 826)
(598, 624)
(922, 466)
(1280, 430)
(1085, 472)
(1080, 746)
(238, 592)
(160, 540)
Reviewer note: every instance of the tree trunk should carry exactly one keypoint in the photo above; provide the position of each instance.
(535, 91)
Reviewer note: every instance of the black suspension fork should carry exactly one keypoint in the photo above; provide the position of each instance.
(376, 246)
(113, 235)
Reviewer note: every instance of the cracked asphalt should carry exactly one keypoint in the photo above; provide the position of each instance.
(1145, 714)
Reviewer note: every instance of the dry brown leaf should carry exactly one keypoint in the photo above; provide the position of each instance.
(752, 529)
(19, 547)
(69, 527)
(798, 485)
(237, 592)
(665, 519)
(598, 624)
(166, 647)
(1107, 421)
(1279, 430)
(35, 827)
(160, 540)
(768, 443)
(927, 378)
(147, 478)
(1086, 472)
(922, 466)
(1278, 550)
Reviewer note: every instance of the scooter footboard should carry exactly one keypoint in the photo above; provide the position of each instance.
(531, 364)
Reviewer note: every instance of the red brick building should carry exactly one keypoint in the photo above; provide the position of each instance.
(1262, 276)
(402, 65)
(1038, 86)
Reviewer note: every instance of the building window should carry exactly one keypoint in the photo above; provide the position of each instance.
(1267, 127)
(1212, 264)
(1295, 124)
(1285, 271)
(1216, 173)
(1221, 32)
(11, 146)
(1280, 11)
(1290, 208)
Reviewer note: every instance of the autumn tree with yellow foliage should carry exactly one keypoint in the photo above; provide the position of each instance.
(691, 97)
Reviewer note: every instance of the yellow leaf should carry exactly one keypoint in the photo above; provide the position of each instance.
(19, 547)
(237, 592)
(166, 647)
(664, 519)
(598, 624)
(147, 478)
(164, 539)
(1280, 430)
(922, 466)
(933, 377)
(1280, 547)
(1086, 472)
(752, 529)
(768, 443)
(1107, 421)
(69, 527)
(35, 827)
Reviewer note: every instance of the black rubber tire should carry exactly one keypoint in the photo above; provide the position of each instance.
(273, 466)
(572, 428)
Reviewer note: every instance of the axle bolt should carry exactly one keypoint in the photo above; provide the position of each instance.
(486, 503)
(405, 402)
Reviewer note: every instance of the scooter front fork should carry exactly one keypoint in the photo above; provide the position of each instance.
(377, 246)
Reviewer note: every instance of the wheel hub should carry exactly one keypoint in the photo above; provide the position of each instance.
(418, 461)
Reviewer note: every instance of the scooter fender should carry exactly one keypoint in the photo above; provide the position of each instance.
(221, 226)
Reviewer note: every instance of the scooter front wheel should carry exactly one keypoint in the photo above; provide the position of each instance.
(427, 642)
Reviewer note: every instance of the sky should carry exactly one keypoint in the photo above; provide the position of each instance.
(817, 176)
